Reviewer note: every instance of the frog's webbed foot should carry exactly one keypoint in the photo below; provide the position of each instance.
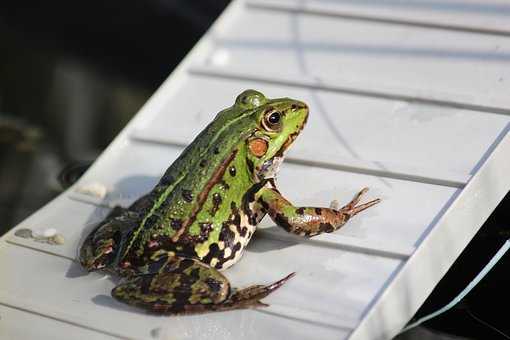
(352, 208)
(187, 286)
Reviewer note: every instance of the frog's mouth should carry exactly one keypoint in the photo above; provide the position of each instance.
(270, 168)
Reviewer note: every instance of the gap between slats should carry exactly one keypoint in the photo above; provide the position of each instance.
(346, 243)
(349, 88)
(296, 8)
(360, 168)
(16, 302)
(340, 242)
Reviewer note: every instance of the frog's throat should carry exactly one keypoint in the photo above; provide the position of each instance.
(270, 168)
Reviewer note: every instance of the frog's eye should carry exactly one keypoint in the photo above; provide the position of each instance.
(272, 120)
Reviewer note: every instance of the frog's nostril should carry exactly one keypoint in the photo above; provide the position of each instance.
(299, 106)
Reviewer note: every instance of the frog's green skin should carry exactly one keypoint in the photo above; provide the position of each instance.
(171, 243)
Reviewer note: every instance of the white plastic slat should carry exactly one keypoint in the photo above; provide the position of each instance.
(469, 68)
(56, 215)
(19, 324)
(326, 278)
(331, 83)
(387, 137)
(442, 246)
(483, 16)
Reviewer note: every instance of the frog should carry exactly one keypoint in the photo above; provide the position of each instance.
(171, 246)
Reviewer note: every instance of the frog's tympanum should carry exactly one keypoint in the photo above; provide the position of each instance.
(172, 244)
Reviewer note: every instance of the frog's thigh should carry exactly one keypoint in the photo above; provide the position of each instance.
(180, 286)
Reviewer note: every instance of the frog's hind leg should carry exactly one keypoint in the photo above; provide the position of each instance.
(186, 286)
(174, 285)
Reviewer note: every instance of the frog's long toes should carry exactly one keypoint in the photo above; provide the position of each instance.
(258, 292)
(266, 290)
(357, 209)
(260, 304)
(355, 200)
(274, 286)
(352, 208)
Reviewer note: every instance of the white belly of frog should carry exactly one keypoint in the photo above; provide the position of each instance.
(235, 237)
(271, 167)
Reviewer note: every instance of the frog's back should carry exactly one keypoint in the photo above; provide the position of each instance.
(205, 205)
(195, 209)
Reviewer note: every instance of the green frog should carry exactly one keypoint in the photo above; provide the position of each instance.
(171, 245)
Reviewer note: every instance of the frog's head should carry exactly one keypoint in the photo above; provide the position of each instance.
(278, 123)
(100, 248)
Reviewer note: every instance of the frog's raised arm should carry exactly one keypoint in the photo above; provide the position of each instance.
(308, 221)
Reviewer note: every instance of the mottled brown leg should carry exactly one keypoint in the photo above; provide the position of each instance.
(309, 221)
(175, 285)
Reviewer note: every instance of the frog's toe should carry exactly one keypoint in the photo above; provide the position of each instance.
(250, 297)
(352, 208)
(356, 199)
(359, 208)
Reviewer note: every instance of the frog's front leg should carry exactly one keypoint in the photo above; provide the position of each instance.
(176, 285)
(309, 221)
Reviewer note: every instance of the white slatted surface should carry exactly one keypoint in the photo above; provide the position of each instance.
(487, 16)
(414, 105)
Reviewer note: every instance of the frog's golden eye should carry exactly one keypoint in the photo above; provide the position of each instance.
(272, 121)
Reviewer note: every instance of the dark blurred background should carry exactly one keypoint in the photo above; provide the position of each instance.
(72, 74)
